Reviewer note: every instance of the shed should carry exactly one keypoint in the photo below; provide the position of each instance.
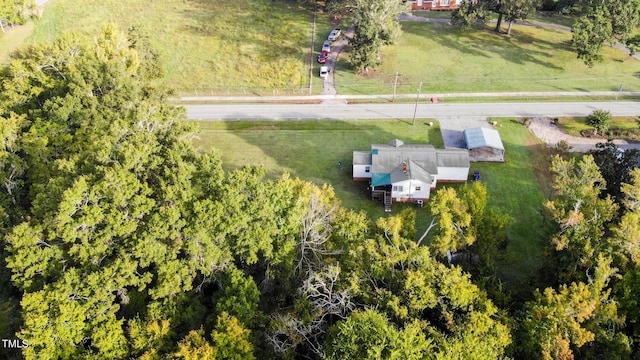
(484, 144)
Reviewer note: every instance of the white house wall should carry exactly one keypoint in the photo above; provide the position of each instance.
(409, 190)
(452, 174)
(360, 171)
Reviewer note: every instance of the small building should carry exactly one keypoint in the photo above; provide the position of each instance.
(407, 173)
(484, 144)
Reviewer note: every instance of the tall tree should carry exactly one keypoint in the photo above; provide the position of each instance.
(579, 211)
(376, 25)
(612, 21)
(559, 321)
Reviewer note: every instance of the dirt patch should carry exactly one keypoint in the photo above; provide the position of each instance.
(626, 134)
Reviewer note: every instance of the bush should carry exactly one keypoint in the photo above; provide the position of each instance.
(600, 120)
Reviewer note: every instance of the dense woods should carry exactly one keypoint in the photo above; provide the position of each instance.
(119, 240)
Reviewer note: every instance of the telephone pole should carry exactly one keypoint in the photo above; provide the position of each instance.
(416, 108)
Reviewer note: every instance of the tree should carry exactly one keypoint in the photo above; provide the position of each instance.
(376, 25)
(558, 321)
(369, 335)
(600, 120)
(579, 211)
(451, 214)
(604, 21)
(514, 10)
(615, 166)
(15, 12)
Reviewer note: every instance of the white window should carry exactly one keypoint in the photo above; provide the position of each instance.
(395, 188)
(444, 2)
(400, 188)
(367, 169)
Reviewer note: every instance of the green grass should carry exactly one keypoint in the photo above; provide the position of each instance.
(311, 150)
(574, 125)
(11, 40)
(207, 47)
(449, 60)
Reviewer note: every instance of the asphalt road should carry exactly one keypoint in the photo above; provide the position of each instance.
(405, 111)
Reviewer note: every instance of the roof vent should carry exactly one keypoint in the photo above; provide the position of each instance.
(396, 143)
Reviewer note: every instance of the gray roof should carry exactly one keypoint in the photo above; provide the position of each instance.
(481, 137)
(414, 171)
(453, 158)
(422, 161)
(362, 158)
(386, 158)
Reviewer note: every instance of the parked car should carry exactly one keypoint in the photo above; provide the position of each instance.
(324, 72)
(334, 35)
(324, 52)
(326, 46)
(322, 59)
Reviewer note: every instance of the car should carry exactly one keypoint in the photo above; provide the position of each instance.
(326, 46)
(324, 72)
(334, 35)
(322, 59)
(324, 53)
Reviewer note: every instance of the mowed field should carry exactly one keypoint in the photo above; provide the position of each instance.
(220, 46)
(313, 151)
(445, 59)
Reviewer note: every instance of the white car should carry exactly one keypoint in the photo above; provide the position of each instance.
(324, 72)
(326, 46)
(334, 35)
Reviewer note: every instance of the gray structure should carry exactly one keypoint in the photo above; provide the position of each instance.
(484, 144)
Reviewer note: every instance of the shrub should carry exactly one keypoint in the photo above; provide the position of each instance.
(600, 120)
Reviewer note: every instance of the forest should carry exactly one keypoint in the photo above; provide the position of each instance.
(120, 240)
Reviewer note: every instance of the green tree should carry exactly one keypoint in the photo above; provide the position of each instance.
(452, 221)
(604, 21)
(557, 322)
(579, 211)
(600, 120)
(514, 10)
(15, 12)
(376, 25)
(615, 166)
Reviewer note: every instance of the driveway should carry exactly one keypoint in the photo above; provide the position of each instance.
(452, 129)
(328, 87)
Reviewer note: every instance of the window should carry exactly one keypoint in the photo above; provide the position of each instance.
(395, 188)
(367, 169)
(417, 188)
(400, 188)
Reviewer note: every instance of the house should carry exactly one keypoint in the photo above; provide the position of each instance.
(435, 5)
(484, 144)
(407, 172)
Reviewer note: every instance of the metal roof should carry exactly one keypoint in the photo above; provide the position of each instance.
(453, 158)
(422, 161)
(481, 137)
(361, 158)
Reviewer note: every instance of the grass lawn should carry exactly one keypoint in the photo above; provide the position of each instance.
(449, 60)
(11, 40)
(311, 150)
(220, 46)
(573, 125)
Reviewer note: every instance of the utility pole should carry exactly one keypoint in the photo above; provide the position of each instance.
(395, 84)
(416, 108)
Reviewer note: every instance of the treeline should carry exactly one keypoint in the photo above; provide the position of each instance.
(120, 240)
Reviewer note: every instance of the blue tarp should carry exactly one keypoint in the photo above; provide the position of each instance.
(379, 179)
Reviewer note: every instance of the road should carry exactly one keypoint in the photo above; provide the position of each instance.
(405, 111)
